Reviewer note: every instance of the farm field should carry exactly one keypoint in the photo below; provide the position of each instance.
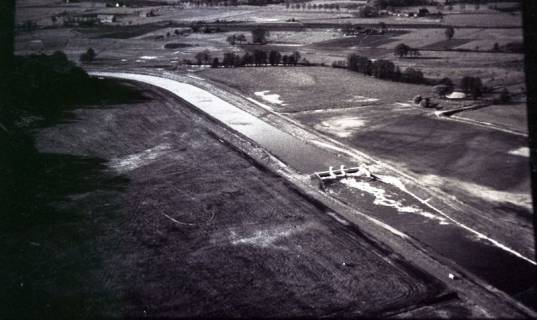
(511, 116)
(142, 43)
(459, 158)
(303, 89)
(483, 19)
(153, 244)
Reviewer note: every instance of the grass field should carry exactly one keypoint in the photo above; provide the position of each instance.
(312, 88)
(484, 19)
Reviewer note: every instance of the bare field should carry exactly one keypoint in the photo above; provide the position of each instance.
(433, 146)
(194, 230)
(462, 159)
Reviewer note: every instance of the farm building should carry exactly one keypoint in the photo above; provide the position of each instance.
(106, 18)
(456, 95)
(89, 19)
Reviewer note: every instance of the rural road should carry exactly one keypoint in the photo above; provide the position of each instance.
(443, 234)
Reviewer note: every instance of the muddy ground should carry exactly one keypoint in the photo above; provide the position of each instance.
(151, 215)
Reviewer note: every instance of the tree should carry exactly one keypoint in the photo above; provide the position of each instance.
(378, 4)
(412, 75)
(203, 57)
(291, 60)
(240, 38)
(382, 26)
(447, 81)
(383, 69)
(417, 99)
(397, 74)
(450, 32)
(368, 12)
(401, 50)
(442, 90)
(505, 96)
(423, 12)
(237, 61)
(216, 63)
(364, 65)
(229, 59)
(260, 57)
(274, 57)
(88, 56)
(472, 85)
(496, 47)
(285, 60)
(247, 59)
(359, 64)
(296, 57)
(351, 61)
(231, 40)
(259, 35)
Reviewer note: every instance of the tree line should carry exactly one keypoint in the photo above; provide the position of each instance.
(256, 58)
(382, 69)
(387, 70)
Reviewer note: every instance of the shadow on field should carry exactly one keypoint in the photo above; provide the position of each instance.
(49, 248)
(54, 206)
